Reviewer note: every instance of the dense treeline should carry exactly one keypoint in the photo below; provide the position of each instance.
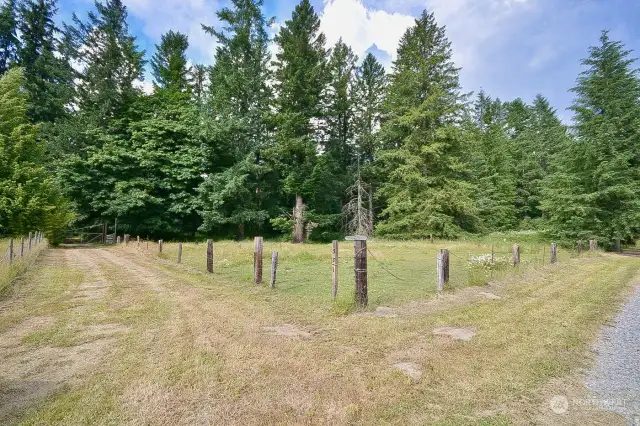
(312, 142)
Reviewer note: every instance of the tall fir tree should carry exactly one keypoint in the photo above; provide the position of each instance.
(47, 72)
(169, 63)
(235, 194)
(198, 83)
(300, 79)
(493, 168)
(110, 62)
(369, 94)
(593, 191)
(8, 34)
(427, 189)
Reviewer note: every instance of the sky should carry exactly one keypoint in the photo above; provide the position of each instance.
(508, 48)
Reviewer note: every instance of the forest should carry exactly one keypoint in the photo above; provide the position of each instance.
(311, 143)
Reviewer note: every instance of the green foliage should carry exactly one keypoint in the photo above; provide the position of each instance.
(426, 190)
(47, 72)
(8, 38)
(29, 198)
(593, 190)
(169, 63)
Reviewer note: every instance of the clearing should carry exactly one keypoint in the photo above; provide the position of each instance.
(94, 335)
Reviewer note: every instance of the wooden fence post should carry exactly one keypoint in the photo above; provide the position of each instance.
(138, 242)
(257, 260)
(618, 245)
(10, 251)
(593, 245)
(126, 239)
(516, 255)
(210, 256)
(147, 242)
(118, 239)
(360, 266)
(334, 269)
(445, 261)
(440, 270)
(29, 241)
(179, 252)
(21, 246)
(159, 246)
(274, 268)
(554, 253)
(579, 246)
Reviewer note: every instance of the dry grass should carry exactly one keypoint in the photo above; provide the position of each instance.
(189, 348)
(10, 271)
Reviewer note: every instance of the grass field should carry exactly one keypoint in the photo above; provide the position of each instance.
(398, 272)
(119, 336)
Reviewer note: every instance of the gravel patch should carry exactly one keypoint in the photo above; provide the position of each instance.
(615, 379)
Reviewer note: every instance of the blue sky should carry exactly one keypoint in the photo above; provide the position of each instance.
(509, 48)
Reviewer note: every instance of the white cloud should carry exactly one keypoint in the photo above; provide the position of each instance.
(361, 28)
(186, 16)
(146, 86)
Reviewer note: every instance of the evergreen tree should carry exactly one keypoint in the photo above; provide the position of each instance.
(169, 63)
(198, 82)
(29, 198)
(492, 163)
(110, 62)
(48, 74)
(8, 38)
(338, 102)
(369, 95)
(299, 80)
(593, 191)
(427, 191)
(236, 126)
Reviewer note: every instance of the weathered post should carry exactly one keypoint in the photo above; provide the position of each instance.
(593, 245)
(334, 269)
(126, 239)
(257, 260)
(445, 262)
(440, 270)
(21, 246)
(554, 253)
(179, 252)
(618, 246)
(138, 242)
(516, 255)
(360, 266)
(159, 246)
(104, 232)
(29, 241)
(579, 247)
(274, 268)
(118, 239)
(147, 242)
(210, 256)
(10, 250)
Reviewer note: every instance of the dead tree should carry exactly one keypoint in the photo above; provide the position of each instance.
(358, 217)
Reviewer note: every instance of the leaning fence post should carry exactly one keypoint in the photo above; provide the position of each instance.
(579, 246)
(10, 250)
(516, 255)
(554, 253)
(179, 252)
(274, 268)
(334, 269)
(29, 241)
(440, 270)
(159, 246)
(210, 256)
(360, 266)
(446, 265)
(257, 260)
(21, 246)
(593, 245)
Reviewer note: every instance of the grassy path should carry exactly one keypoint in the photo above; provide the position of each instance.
(108, 336)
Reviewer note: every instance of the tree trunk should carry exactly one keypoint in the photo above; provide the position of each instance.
(298, 217)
